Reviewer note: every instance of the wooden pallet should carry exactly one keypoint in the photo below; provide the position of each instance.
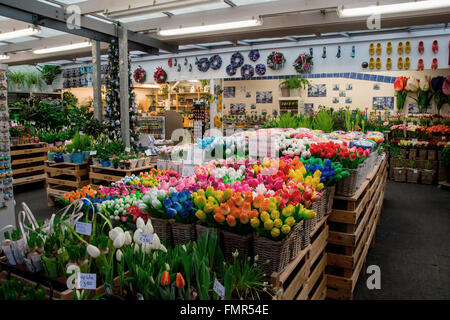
(352, 233)
(99, 175)
(304, 277)
(62, 177)
(27, 161)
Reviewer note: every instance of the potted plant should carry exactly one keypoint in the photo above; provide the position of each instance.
(399, 172)
(104, 158)
(445, 158)
(295, 84)
(115, 161)
(59, 151)
(85, 146)
(66, 155)
(49, 73)
(428, 173)
(284, 86)
(77, 155)
(413, 174)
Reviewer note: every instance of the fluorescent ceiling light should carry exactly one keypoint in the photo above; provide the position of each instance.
(19, 33)
(393, 8)
(211, 27)
(63, 48)
(4, 57)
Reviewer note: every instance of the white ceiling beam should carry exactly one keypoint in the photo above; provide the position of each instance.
(11, 25)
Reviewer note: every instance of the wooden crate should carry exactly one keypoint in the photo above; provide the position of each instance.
(62, 177)
(99, 175)
(27, 161)
(352, 233)
(303, 278)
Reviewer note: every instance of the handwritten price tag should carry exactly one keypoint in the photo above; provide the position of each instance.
(219, 289)
(146, 238)
(83, 228)
(87, 281)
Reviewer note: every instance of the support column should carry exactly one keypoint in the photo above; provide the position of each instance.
(97, 80)
(124, 86)
(213, 105)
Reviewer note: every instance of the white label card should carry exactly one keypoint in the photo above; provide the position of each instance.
(146, 237)
(127, 149)
(93, 153)
(219, 289)
(87, 281)
(83, 228)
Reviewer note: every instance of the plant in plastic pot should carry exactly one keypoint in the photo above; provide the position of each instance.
(77, 155)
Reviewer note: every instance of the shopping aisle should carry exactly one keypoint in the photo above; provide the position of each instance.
(35, 196)
(412, 245)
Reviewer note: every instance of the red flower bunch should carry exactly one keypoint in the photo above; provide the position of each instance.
(135, 212)
(325, 150)
(352, 157)
(400, 83)
(298, 193)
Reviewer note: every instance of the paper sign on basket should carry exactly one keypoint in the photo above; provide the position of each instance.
(148, 152)
(83, 228)
(87, 281)
(146, 237)
(219, 289)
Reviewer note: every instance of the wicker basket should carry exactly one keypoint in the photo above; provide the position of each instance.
(413, 175)
(183, 233)
(439, 155)
(232, 242)
(163, 228)
(432, 155)
(319, 208)
(412, 154)
(306, 236)
(423, 154)
(330, 196)
(399, 174)
(427, 176)
(297, 234)
(404, 153)
(201, 230)
(347, 186)
(277, 252)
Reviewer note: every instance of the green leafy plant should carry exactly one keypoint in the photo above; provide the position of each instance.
(323, 121)
(445, 158)
(294, 83)
(16, 78)
(412, 164)
(34, 78)
(428, 165)
(49, 72)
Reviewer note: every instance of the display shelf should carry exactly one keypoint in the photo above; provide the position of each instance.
(27, 162)
(153, 125)
(62, 177)
(352, 231)
(99, 175)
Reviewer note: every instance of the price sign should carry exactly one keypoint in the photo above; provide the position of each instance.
(146, 237)
(87, 281)
(93, 153)
(219, 289)
(127, 149)
(148, 152)
(83, 228)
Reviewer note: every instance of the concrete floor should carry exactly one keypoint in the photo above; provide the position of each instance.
(412, 244)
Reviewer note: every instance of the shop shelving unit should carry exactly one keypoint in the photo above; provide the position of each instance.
(352, 224)
(62, 177)
(14, 96)
(99, 175)
(153, 125)
(27, 162)
(293, 105)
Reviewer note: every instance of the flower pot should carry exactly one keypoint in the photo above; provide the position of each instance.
(412, 154)
(432, 155)
(51, 156)
(66, 157)
(33, 262)
(77, 158)
(427, 176)
(423, 153)
(413, 175)
(106, 164)
(147, 161)
(58, 157)
(399, 174)
(294, 92)
(115, 165)
(284, 92)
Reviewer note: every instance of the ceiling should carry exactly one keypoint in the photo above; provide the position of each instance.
(283, 21)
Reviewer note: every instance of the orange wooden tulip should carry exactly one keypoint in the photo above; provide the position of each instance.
(165, 279)
(217, 210)
(257, 202)
(254, 214)
(244, 218)
(235, 212)
(238, 199)
(179, 281)
(219, 218)
(225, 208)
(248, 197)
(231, 220)
(247, 207)
(264, 205)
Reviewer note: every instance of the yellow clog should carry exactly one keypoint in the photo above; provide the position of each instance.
(407, 47)
(400, 63)
(371, 63)
(371, 49)
(400, 48)
(407, 63)
(378, 64)
(389, 48)
(379, 49)
(388, 64)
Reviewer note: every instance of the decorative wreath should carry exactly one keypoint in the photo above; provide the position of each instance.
(231, 71)
(215, 62)
(304, 63)
(139, 75)
(247, 71)
(260, 69)
(202, 64)
(276, 60)
(237, 60)
(160, 75)
(254, 55)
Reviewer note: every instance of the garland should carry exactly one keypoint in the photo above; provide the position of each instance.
(304, 63)
(160, 75)
(202, 64)
(139, 75)
(254, 55)
(247, 71)
(275, 60)
(215, 62)
(237, 60)
(260, 69)
(231, 71)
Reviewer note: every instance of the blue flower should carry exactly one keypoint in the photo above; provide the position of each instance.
(171, 212)
(185, 213)
(177, 206)
(167, 202)
(188, 204)
(175, 196)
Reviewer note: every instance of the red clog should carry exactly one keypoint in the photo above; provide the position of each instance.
(434, 64)
(420, 65)
(421, 47)
(435, 46)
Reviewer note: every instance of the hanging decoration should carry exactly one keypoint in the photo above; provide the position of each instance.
(139, 75)
(237, 60)
(160, 75)
(202, 64)
(304, 63)
(215, 62)
(276, 60)
(260, 69)
(254, 55)
(231, 71)
(190, 67)
(170, 62)
(247, 71)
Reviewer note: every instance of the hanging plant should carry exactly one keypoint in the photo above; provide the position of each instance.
(160, 75)
(276, 60)
(139, 75)
(304, 63)
(254, 55)
(231, 71)
(247, 71)
(202, 64)
(215, 62)
(237, 60)
(260, 69)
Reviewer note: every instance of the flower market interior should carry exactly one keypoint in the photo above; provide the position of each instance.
(224, 150)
